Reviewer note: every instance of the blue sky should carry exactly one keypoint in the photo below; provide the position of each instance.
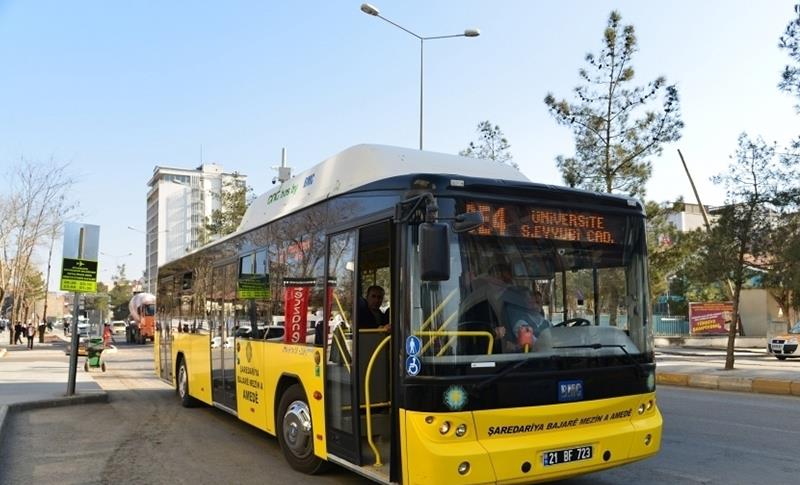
(116, 88)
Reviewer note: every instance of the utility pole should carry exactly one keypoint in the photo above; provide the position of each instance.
(708, 229)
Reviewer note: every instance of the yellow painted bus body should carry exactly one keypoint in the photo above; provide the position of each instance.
(259, 368)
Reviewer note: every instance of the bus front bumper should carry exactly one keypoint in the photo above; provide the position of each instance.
(529, 445)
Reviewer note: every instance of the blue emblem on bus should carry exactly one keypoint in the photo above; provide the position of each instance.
(570, 391)
(413, 345)
(413, 365)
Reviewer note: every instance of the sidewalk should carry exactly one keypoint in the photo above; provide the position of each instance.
(37, 378)
(754, 370)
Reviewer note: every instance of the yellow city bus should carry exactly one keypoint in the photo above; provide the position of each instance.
(513, 345)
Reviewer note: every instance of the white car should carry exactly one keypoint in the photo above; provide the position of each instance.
(118, 327)
(785, 345)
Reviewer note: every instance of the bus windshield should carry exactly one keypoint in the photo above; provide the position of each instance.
(536, 282)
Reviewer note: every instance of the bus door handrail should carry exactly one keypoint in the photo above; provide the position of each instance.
(341, 310)
(367, 399)
(343, 352)
(459, 333)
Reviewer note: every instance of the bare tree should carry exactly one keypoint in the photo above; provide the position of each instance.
(37, 205)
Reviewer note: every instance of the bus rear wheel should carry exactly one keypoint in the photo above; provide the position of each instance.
(295, 433)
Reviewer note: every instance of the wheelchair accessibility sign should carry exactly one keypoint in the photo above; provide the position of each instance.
(413, 365)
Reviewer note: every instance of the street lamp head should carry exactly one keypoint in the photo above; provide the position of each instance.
(472, 32)
(370, 9)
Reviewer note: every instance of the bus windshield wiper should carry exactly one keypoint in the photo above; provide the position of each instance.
(640, 372)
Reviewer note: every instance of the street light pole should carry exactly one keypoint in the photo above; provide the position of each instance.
(115, 257)
(146, 256)
(372, 10)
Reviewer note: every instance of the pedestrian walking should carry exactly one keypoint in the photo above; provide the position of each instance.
(108, 336)
(31, 332)
(17, 333)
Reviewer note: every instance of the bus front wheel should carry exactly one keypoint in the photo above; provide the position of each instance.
(295, 433)
(187, 401)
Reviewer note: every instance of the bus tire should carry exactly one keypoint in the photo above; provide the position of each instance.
(295, 432)
(182, 386)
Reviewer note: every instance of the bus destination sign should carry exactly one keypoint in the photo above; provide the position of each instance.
(540, 223)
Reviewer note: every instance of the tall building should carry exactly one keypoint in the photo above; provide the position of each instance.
(178, 203)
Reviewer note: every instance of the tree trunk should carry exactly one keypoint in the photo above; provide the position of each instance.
(737, 292)
(729, 357)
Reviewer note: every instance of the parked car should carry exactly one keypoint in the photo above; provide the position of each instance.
(118, 327)
(785, 345)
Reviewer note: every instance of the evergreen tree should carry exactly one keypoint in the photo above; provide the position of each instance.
(491, 145)
(782, 279)
(616, 133)
(234, 199)
(120, 295)
(668, 249)
(758, 190)
(790, 41)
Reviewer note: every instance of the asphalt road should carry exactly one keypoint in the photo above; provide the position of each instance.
(145, 436)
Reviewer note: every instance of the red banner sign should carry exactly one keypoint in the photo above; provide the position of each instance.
(296, 295)
(712, 318)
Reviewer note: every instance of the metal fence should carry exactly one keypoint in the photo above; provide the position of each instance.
(670, 326)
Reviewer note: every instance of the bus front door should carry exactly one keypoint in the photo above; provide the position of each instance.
(357, 368)
(341, 420)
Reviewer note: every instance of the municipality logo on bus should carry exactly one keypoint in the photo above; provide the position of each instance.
(570, 391)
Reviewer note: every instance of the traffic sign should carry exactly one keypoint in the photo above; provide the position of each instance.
(79, 275)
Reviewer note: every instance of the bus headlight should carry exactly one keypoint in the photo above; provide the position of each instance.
(461, 430)
(445, 427)
(641, 408)
(463, 468)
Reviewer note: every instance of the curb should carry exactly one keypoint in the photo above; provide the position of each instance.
(6, 410)
(726, 383)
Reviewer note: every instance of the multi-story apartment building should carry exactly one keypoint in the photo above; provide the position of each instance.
(178, 203)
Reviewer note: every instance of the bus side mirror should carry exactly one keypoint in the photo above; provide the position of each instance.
(467, 221)
(434, 252)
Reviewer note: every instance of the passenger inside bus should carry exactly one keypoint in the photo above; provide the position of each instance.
(370, 314)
